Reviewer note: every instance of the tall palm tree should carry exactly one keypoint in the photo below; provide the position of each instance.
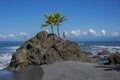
(58, 20)
(49, 21)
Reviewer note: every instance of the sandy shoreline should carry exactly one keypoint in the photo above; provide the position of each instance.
(80, 71)
(65, 71)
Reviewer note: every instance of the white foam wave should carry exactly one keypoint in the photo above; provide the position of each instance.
(5, 60)
(99, 48)
(81, 44)
(111, 49)
(12, 47)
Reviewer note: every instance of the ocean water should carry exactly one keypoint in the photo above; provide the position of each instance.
(7, 48)
(98, 46)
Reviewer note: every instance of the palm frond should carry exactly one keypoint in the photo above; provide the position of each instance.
(43, 25)
(58, 15)
(46, 16)
(63, 19)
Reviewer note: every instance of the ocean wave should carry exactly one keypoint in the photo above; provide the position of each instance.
(81, 44)
(99, 48)
(12, 47)
(6, 55)
(5, 60)
(109, 47)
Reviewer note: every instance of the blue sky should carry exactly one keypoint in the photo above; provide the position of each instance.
(87, 19)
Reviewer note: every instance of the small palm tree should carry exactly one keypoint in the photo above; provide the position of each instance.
(49, 21)
(58, 20)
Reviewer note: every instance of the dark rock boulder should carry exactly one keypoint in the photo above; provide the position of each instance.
(45, 48)
(104, 52)
(114, 59)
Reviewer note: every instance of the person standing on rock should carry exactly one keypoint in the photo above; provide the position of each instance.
(64, 35)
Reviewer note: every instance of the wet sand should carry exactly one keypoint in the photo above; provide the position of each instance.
(80, 71)
(29, 73)
(6, 75)
(64, 71)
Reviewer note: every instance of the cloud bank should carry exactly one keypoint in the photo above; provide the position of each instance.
(25, 35)
(2, 36)
(11, 36)
(75, 33)
(91, 33)
(103, 32)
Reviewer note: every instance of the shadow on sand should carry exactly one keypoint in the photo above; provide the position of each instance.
(109, 67)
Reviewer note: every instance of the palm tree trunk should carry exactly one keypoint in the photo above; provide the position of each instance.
(52, 33)
(52, 29)
(58, 30)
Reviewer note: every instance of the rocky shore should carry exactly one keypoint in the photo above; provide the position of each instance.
(109, 58)
(45, 48)
(47, 57)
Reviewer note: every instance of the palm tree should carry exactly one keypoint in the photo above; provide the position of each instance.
(58, 20)
(49, 21)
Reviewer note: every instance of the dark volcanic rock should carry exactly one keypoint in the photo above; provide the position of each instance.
(104, 52)
(103, 55)
(114, 59)
(45, 48)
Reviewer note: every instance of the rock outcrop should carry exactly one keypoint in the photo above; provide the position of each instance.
(104, 52)
(114, 59)
(45, 48)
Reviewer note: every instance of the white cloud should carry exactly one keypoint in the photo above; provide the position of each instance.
(84, 33)
(7, 36)
(92, 32)
(103, 32)
(2, 36)
(11, 35)
(116, 34)
(47, 31)
(75, 33)
(24, 34)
